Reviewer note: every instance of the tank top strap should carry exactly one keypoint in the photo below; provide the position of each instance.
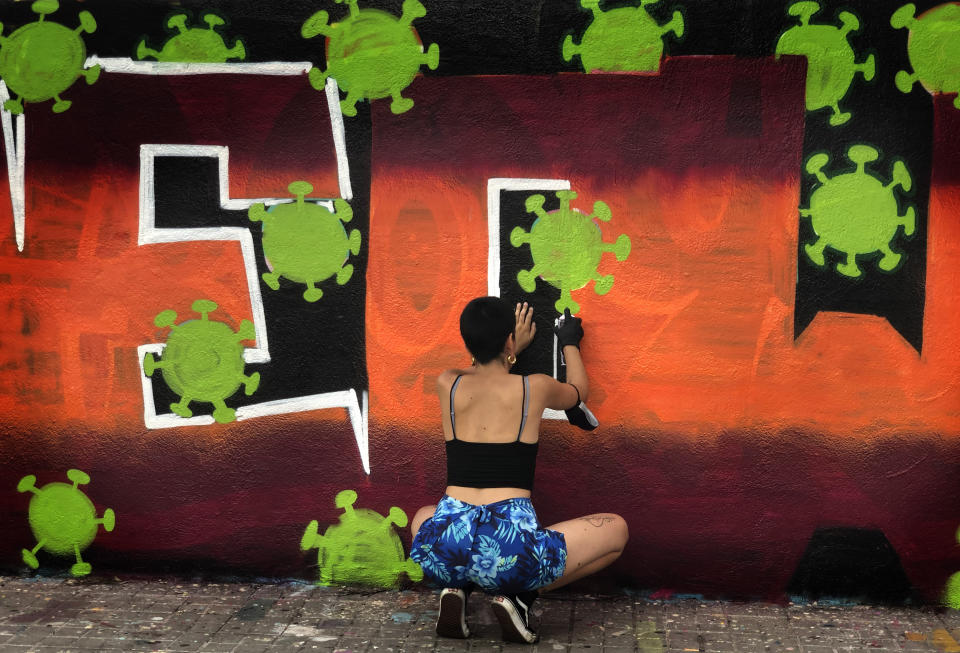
(453, 421)
(526, 405)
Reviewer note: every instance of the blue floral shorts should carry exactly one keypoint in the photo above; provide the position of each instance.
(499, 547)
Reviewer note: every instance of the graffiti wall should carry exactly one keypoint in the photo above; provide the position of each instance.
(237, 237)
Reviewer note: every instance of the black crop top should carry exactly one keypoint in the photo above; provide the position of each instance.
(491, 464)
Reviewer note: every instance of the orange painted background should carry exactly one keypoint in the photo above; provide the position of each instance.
(697, 334)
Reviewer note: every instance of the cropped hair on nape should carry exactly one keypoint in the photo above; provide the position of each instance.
(485, 325)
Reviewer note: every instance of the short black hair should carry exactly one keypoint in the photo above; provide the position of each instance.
(485, 325)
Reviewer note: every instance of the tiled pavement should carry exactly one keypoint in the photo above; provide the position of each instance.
(47, 614)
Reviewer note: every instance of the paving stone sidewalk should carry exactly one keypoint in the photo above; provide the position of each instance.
(51, 614)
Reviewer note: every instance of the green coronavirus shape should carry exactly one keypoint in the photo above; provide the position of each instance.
(622, 39)
(203, 361)
(855, 213)
(305, 242)
(362, 549)
(933, 48)
(951, 593)
(372, 54)
(41, 60)
(63, 519)
(830, 59)
(194, 44)
(566, 246)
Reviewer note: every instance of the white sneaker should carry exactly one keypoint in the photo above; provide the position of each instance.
(514, 617)
(452, 620)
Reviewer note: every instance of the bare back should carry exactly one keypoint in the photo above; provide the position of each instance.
(489, 408)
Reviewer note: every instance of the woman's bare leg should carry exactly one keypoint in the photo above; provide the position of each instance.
(422, 515)
(593, 542)
(451, 618)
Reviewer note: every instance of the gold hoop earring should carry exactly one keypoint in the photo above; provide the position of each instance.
(511, 359)
(473, 360)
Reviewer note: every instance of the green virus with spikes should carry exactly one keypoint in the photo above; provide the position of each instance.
(372, 54)
(933, 48)
(362, 549)
(305, 242)
(63, 519)
(622, 39)
(566, 246)
(41, 60)
(203, 361)
(831, 64)
(194, 44)
(855, 213)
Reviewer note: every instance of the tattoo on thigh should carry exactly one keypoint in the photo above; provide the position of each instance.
(597, 520)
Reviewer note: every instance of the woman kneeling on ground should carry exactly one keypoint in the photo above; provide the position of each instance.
(484, 532)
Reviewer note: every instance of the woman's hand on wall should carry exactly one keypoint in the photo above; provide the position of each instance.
(525, 328)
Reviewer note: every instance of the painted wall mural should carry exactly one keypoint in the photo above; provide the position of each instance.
(63, 519)
(855, 213)
(232, 270)
(306, 243)
(203, 361)
(933, 48)
(371, 54)
(621, 39)
(831, 64)
(41, 60)
(362, 548)
(566, 246)
(199, 44)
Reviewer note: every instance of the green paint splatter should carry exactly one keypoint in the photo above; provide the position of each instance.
(41, 60)
(362, 548)
(203, 361)
(830, 59)
(622, 39)
(855, 213)
(933, 48)
(305, 242)
(63, 520)
(566, 246)
(194, 44)
(372, 54)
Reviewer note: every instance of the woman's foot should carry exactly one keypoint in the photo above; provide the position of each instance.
(452, 621)
(513, 613)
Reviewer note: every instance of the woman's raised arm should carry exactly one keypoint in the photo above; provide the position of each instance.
(563, 396)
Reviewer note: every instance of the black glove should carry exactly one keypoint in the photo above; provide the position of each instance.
(581, 417)
(569, 330)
